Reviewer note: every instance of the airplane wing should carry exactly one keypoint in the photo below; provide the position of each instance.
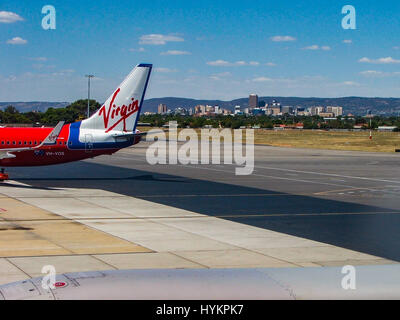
(50, 140)
(140, 134)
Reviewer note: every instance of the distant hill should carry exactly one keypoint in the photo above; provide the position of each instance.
(354, 105)
(34, 105)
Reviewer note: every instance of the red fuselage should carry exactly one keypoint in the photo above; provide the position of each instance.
(65, 149)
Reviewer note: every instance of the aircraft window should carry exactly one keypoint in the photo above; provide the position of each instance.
(14, 142)
(34, 142)
(8, 142)
(19, 142)
(30, 142)
(25, 142)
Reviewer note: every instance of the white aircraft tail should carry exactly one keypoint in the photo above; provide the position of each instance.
(121, 110)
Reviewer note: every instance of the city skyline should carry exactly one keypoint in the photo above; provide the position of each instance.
(202, 51)
(253, 107)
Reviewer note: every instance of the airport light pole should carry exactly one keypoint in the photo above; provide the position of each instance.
(88, 101)
(370, 128)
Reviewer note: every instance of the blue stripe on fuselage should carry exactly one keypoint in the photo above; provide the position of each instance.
(75, 144)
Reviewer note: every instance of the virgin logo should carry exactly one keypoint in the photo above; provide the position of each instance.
(120, 114)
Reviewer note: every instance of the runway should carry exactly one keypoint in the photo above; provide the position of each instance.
(299, 208)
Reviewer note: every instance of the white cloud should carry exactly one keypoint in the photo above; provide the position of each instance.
(38, 59)
(282, 38)
(223, 63)
(317, 47)
(372, 73)
(313, 47)
(17, 40)
(159, 39)
(214, 78)
(262, 79)
(174, 53)
(348, 41)
(70, 71)
(270, 64)
(223, 74)
(136, 50)
(387, 60)
(350, 83)
(165, 70)
(66, 72)
(219, 63)
(378, 74)
(43, 66)
(220, 76)
(9, 17)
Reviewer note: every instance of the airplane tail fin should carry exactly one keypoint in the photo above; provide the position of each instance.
(121, 110)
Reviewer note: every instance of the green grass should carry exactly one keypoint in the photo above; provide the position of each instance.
(333, 140)
(316, 139)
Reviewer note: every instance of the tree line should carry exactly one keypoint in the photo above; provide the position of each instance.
(78, 111)
(268, 122)
(71, 113)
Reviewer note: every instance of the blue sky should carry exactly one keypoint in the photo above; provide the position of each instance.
(200, 49)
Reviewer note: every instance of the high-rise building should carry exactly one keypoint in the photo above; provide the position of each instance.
(275, 104)
(300, 111)
(257, 111)
(316, 110)
(275, 111)
(253, 101)
(237, 110)
(337, 111)
(200, 109)
(287, 110)
(162, 108)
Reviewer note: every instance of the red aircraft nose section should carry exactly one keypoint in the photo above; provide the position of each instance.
(3, 176)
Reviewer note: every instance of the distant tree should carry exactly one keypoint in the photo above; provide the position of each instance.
(11, 110)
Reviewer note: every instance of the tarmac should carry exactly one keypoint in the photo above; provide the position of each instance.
(299, 208)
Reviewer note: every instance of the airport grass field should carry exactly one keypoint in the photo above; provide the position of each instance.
(319, 139)
(357, 141)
